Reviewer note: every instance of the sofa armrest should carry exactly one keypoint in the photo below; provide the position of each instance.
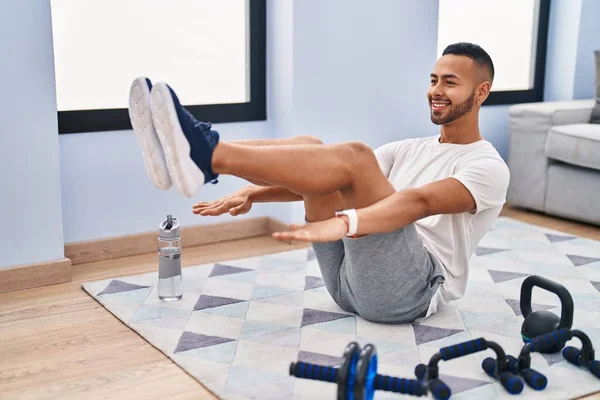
(541, 116)
(529, 124)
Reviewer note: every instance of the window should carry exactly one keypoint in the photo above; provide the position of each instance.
(211, 52)
(513, 32)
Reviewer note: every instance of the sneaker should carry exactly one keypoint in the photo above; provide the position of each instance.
(141, 121)
(187, 142)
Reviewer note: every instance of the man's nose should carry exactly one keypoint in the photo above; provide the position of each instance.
(436, 90)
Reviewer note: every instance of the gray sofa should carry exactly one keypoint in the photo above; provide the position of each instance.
(554, 159)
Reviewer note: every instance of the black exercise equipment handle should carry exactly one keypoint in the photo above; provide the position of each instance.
(431, 371)
(312, 371)
(572, 355)
(399, 385)
(322, 373)
(533, 378)
(595, 368)
(439, 389)
(578, 357)
(463, 349)
(583, 358)
(542, 343)
(509, 380)
(566, 301)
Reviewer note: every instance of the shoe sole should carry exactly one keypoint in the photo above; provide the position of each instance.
(141, 121)
(185, 174)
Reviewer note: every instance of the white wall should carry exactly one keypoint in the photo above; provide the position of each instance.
(574, 34)
(562, 49)
(280, 67)
(361, 69)
(30, 196)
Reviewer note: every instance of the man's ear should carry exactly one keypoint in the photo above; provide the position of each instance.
(483, 91)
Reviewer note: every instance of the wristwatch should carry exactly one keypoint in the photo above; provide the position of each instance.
(352, 221)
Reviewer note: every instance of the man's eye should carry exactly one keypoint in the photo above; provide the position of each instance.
(451, 83)
(433, 81)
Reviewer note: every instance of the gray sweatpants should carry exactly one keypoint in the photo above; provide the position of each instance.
(387, 277)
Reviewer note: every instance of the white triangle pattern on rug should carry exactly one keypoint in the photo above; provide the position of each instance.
(242, 322)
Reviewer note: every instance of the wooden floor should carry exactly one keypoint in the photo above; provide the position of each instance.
(50, 347)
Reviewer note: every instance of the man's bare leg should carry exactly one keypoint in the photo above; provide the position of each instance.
(309, 170)
(352, 178)
(320, 207)
(196, 155)
(302, 139)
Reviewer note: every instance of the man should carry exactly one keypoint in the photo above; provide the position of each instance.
(392, 230)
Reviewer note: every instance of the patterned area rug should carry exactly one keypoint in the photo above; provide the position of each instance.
(241, 322)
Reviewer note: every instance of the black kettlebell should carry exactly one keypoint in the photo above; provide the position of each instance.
(541, 322)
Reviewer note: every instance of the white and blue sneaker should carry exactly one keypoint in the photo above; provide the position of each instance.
(143, 126)
(188, 143)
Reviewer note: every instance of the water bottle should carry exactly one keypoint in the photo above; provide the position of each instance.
(170, 283)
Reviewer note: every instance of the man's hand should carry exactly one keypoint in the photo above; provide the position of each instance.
(324, 231)
(237, 203)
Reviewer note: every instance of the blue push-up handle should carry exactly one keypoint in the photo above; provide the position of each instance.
(511, 382)
(544, 342)
(437, 387)
(420, 371)
(595, 368)
(439, 390)
(314, 372)
(533, 378)
(463, 349)
(381, 382)
(399, 385)
(572, 355)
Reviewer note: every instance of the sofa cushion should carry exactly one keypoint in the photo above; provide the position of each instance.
(576, 144)
(573, 193)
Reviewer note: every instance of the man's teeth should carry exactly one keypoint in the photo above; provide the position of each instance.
(439, 105)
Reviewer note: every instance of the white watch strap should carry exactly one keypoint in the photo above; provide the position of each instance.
(352, 221)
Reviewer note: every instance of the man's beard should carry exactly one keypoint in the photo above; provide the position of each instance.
(455, 112)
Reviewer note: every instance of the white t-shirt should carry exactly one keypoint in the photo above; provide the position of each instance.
(452, 238)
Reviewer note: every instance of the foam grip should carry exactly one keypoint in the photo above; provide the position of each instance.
(534, 379)
(420, 371)
(399, 385)
(571, 354)
(511, 382)
(513, 364)
(463, 349)
(314, 372)
(489, 366)
(595, 368)
(547, 341)
(439, 390)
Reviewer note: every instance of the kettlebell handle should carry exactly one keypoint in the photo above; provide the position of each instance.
(566, 301)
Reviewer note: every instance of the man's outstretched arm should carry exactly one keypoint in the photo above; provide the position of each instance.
(240, 202)
(404, 207)
(447, 196)
(478, 184)
(268, 194)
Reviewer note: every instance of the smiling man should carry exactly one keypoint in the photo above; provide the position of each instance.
(393, 229)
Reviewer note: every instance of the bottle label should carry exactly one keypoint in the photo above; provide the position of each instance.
(169, 267)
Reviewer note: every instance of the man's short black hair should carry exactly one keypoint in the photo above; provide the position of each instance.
(481, 58)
